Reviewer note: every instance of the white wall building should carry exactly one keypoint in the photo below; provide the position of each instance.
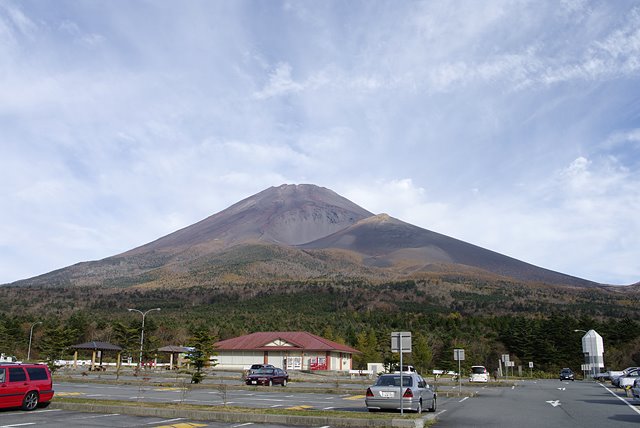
(296, 350)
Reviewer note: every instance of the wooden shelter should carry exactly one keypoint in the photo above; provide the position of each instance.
(96, 347)
(173, 351)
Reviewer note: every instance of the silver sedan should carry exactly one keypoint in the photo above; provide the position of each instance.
(387, 394)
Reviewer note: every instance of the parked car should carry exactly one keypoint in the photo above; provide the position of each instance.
(635, 389)
(626, 380)
(268, 376)
(615, 375)
(405, 369)
(415, 394)
(25, 385)
(255, 367)
(567, 374)
(479, 374)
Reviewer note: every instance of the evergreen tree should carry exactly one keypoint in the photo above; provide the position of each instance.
(422, 356)
(54, 344)
(202, 342)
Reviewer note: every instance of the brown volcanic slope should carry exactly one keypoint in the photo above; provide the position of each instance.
(289, 214)
(293, 232)
(237, 236)
(386, 242)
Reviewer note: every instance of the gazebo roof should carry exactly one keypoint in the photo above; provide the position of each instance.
(174, 349)
(97, 346)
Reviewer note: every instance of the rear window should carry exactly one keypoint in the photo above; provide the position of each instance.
(2, 375)
(478, 370)
(37, 373)
(394, 381)
(16, 374)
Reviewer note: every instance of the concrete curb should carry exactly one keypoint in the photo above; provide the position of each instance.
(237, 417)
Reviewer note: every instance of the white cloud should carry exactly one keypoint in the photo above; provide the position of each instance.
(280, 83)
(512, 125)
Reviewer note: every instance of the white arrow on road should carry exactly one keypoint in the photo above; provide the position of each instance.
(555, 403)
(561, 389)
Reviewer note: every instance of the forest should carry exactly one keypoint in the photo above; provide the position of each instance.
(532, 322)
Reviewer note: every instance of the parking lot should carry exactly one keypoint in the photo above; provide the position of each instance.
(528, 403)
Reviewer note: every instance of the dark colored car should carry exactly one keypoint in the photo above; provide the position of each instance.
(268, 376)
(25, 385)
(567, 374)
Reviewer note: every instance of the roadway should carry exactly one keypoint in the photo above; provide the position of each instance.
(530, 403)
(542, 403)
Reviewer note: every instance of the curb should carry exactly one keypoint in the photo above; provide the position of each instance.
(210, 415)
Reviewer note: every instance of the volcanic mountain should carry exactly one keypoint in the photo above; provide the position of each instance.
(293, 233)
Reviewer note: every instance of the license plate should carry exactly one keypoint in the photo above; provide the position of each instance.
(254, 382)
(387, 394)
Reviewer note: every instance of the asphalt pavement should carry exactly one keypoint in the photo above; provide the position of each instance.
(542, 403)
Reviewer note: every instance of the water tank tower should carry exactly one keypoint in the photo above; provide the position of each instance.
(593, 350)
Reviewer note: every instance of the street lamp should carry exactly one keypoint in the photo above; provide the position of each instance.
(144, 314)
(30, 336)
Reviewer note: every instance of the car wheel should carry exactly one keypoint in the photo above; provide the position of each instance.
(433, 405)
(30, 401)
(270, 383)
(284, 382)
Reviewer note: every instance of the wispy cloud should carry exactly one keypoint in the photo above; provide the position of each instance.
(512, 125)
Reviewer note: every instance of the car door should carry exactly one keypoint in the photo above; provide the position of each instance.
(15, 386)
(278, 376)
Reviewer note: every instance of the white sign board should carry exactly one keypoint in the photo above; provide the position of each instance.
(530, 364)
(401, 341)
(505, 358)
(458, 355)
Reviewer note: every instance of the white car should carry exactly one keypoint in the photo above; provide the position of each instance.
(479, 374)
(626, 381)
(635, 389)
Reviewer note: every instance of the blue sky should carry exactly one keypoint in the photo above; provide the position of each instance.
(513, 125)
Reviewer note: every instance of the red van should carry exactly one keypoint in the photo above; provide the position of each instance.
(25, 385)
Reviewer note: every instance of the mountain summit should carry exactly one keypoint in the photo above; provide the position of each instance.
(296, 233)
(289, 215)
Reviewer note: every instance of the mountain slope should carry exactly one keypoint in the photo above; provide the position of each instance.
(294, 233)
(288, 214)
(386, 242)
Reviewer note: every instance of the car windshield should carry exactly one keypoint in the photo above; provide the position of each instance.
(477, 370)
(394, 381)
(265, 371)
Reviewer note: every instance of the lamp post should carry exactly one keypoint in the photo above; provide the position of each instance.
(144, 314)
(30, 337)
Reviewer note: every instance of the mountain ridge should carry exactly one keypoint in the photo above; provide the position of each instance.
(295, 232)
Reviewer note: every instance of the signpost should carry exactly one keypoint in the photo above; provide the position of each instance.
(458, 355)
(530, 369)
(505, 360)
(401, 342)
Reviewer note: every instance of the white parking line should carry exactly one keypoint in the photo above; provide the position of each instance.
(465, 398)
(243, 425)
(98, 416)
(621, 399)
(165, 421)
(17, 425)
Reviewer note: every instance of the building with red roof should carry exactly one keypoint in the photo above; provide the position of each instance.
(291, 350)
